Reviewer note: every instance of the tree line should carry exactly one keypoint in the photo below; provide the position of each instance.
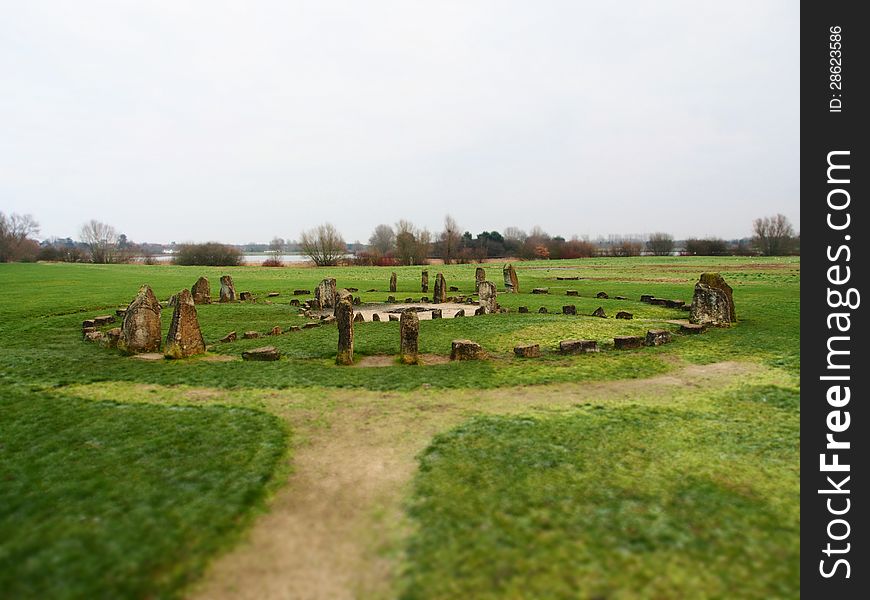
(401, 243)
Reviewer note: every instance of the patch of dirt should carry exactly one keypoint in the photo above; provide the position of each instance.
(336, 529)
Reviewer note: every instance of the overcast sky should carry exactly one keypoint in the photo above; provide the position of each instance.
(239, 121)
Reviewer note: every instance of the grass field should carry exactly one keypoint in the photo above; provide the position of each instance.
(551, 477)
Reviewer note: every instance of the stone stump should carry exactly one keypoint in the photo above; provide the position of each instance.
(487, 296)
(511, 283)
(572, 293)
(393, 282)
(228, 289)
(528, 350)
(264, 353)
(602, 295)
(140, 331)
(424, 282)
(541, 290)
(436, 313)
(344, 317)
(185, 337)
(624, 315)
(201, 291)
(409, 331)
(627, 342)
(523, 309)
(657, 337)
(713, 302)
(358, 318)
(325, 293)
(578, 346)
(599, 312)
(466, 350)
(440, 293)
(569, 309)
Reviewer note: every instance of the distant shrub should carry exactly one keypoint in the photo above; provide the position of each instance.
(273, 261)
(210, 254)
(707, 247)
(374, 259)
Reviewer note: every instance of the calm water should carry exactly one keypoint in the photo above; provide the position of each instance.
(253, 259)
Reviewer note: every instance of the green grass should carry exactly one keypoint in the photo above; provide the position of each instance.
(114, 498)
(108, 500)
(697, 502)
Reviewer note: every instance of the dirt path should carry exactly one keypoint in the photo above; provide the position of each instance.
(336, 529)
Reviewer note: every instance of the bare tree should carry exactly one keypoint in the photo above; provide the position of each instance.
(101, 240)
(412, 244)
(450, 240)
(773, 235)
(15, 230)
(382, 240)
(323, 244)
(514, 234)
(660, 244)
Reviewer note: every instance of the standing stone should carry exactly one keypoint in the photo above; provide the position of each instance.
(228, 289)
(523, 309)
(393, 282)
(602, 295)
(511, 283)
(409, 331)
(424, 282)
(340, 295)
(488, 294)
(436, 313)
(359, 318)
(344, 317)
(325, 293)
(440, 289)
(569, 309)
(459, 313)
(713, 302)
(599, 312)
(185, 337)
(376, 317)
(479, 277)
(201, 291)
(140, 331)
(542, 310)
(624, 315)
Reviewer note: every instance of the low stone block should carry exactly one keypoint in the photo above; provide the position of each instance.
(541, 291)
(251, 335)
(578, 346)
(627, 342)
(646, 298)
(394, 317)
(311, 325)
(466, 350)
(436, 313)
(93, 336)
(276, 330)
(572, 293)
(542, 310)
(264, 353)
(523, 309)
(691, 328)
(111, 337)
(599, 312)
(301, 292)
(246, 296)
(657, 337)
(602, 295)
(273, 294)
(358, 318)
(88, 323)
(230, 337)
(569, 309)
(528, 350)
(104, 320)
(624, 315)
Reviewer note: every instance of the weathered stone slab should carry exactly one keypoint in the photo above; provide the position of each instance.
(657, 337)
(511, 283)
(436, 313)
(358, 318)
(479, 276)
(294, 302)
(528, 350)
(201, 291)
(627, 342)
(325, 293)
(251, 335)
(409, 331)
(276, 330)
(376, 317)
(273, 294)
(599, 312)
(93, 337)
(311, 325)
(140, 331)
(713, 302)
(646, 298)
(185, 337)
(228, 289)
(675, 303)
(691, 328)
(246, 296)
(393, 317)
(624, 315)
(569, 309)
(602, 295)
(440, 293)
(578, 346)
(264, 353)
(573, 278)
(344, 318)
(104, 320)
(620, 298)
(658, 302)
(572, 293)
(541, 290)
(523, 309)
(301, 292)
(453, 288)
(487, 297)
(466, 350)
(88, 323)
(230, 337)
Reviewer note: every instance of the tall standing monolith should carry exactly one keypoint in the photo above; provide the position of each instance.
(409, 331)
(344, 318)
(185, 337)
(140, 331)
